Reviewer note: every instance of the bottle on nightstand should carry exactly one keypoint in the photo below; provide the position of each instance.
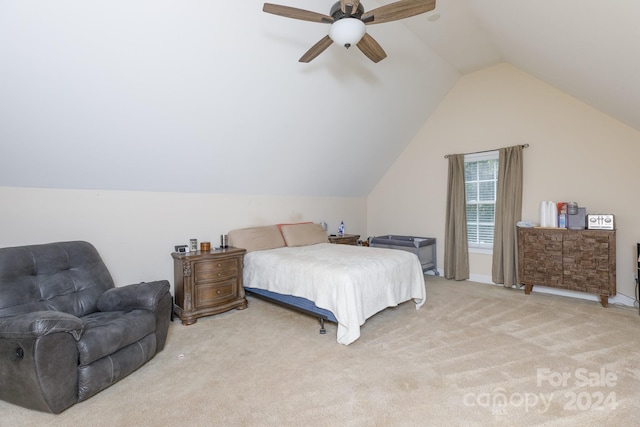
(341, 229)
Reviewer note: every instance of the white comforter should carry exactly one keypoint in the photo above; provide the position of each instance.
(352, 282)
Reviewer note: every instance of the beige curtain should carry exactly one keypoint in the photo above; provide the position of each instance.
(456, 254)
(508, 213)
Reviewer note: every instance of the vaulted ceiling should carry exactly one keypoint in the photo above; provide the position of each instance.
(208, 96)
(586, 48)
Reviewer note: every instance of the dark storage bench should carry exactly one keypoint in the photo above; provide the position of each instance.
(423, 247)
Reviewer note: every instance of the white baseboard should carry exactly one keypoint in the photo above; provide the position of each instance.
(618, 299)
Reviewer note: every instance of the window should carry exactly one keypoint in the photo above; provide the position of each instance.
(480, 179)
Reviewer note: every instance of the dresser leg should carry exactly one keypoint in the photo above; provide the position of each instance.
(527, 288)
(604, 300)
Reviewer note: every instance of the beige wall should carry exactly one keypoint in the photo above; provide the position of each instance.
(135, 232)
(576, 154)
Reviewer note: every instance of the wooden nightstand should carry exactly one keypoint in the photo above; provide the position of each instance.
(347, 239)
(207, 283)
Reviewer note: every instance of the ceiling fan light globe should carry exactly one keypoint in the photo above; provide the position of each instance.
(347, 31)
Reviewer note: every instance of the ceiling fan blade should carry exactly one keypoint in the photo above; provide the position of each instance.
(371, 48)
(295, 13)
(316, 49)
(349, 6)
(398, 10)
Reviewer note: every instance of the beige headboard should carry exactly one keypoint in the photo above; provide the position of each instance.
(257, 238)
(303, 234)
(277, 236)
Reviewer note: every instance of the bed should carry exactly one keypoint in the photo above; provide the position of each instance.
(294, 265)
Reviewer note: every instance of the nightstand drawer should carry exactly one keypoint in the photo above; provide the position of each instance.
(216, 270)
(346, 239)
(215, 293)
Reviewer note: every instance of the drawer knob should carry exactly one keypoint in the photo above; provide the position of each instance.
(218, 292)
(219, 265)
(218, 274)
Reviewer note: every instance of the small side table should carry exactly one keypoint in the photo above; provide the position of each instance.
(207, 283)
(345, 239)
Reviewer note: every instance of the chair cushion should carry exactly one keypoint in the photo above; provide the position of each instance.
(63, 276)
(107, 332)
(107, 371)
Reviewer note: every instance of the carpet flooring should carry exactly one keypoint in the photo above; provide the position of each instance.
(473, 355)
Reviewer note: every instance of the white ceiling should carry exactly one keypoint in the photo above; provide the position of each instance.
(587, 48)
(208, 96)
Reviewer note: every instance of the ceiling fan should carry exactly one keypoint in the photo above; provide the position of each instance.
(348, 20)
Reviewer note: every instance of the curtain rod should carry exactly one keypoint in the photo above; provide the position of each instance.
(446, 156)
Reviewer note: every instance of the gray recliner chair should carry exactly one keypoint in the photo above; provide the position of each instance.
(66, 331)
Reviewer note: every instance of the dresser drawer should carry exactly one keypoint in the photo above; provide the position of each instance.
(209, 294)
(216, 270)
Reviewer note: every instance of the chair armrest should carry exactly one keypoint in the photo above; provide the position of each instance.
(39, 323)
(39, 363)
(139, 296)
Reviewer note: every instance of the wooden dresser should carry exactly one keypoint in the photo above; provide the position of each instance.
(576, 260)
(207, 283)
